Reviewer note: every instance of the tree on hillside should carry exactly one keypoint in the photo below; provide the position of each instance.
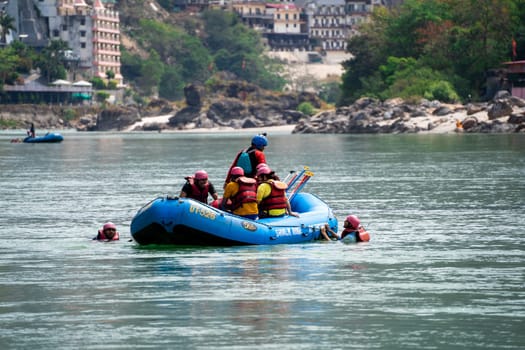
(27, 56)
(151, 73)
(8, 63)
(50, 61)
(453, 43)
(7, 23)
(238, 49)
(175, 53)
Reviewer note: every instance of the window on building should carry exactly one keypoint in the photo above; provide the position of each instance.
(64, 27)
(82, 21)
(82, 33)
(56, 32)
(82, 45)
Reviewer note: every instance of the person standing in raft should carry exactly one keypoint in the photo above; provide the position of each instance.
(107, 233)
(249, 158)
(352, 227)
(198, 187)
(242, 192)
(31, 130)
(271, 195)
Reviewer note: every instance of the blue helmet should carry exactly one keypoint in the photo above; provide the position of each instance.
(259, 141)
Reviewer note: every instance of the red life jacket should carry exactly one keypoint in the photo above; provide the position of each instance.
(101, 236)
(361, 235)
(247, 192)
(200, 194)
(277, 198)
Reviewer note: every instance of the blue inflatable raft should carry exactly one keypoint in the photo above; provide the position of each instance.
(47, 138)
(184, 221)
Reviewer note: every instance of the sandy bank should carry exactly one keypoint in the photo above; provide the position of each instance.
(164, 119)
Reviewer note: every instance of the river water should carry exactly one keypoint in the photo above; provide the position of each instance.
(444, 268)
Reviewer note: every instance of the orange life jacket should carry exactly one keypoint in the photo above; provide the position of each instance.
(361, 235)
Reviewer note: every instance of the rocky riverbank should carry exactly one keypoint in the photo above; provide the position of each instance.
(235, 106)
(504, 114)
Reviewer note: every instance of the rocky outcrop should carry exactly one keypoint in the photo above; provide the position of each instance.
(504, 114)
(238, 105)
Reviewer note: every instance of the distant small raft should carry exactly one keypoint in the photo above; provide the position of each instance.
(51, 137)
(184, 221)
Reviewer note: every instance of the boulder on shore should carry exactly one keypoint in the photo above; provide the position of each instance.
(504, 114)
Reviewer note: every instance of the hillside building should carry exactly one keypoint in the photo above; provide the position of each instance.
(91, 28)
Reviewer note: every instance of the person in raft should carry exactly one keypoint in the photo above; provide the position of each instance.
(198, 187)
(242, 192)
(31, 131)
(107, 233)
(249, 158)
(352, 226)
(271, 195)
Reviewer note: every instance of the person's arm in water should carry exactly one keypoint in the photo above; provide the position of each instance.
(324, 232)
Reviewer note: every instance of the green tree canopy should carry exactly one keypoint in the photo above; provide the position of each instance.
(50, 60)
(449, 46)
(7, 23)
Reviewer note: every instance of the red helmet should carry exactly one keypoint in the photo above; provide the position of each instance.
(353, 220)
(237, 171)
(261, 165)
(109, 225)
(265, 170)
(200, 175)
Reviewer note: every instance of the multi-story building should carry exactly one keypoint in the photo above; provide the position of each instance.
(281, 24)
(254, 15)
(358, 12)
(327, 24)
(91, 28)
(289, 27)
(106, 41)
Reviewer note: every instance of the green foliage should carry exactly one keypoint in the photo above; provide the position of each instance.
(9, 60)
(98, 83)
(151, 72)
(171, 84)
(8, 124)
(27, 56)
(306, 108)
(431, 48)
(330, 92)
(422, 82)
(50, 60)
(101, 96)
(130, 65)
(7, 23)
(239, 49)
(112, 84)
(442, 91)
(69, 114)
(110, 74)
(178, 56)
